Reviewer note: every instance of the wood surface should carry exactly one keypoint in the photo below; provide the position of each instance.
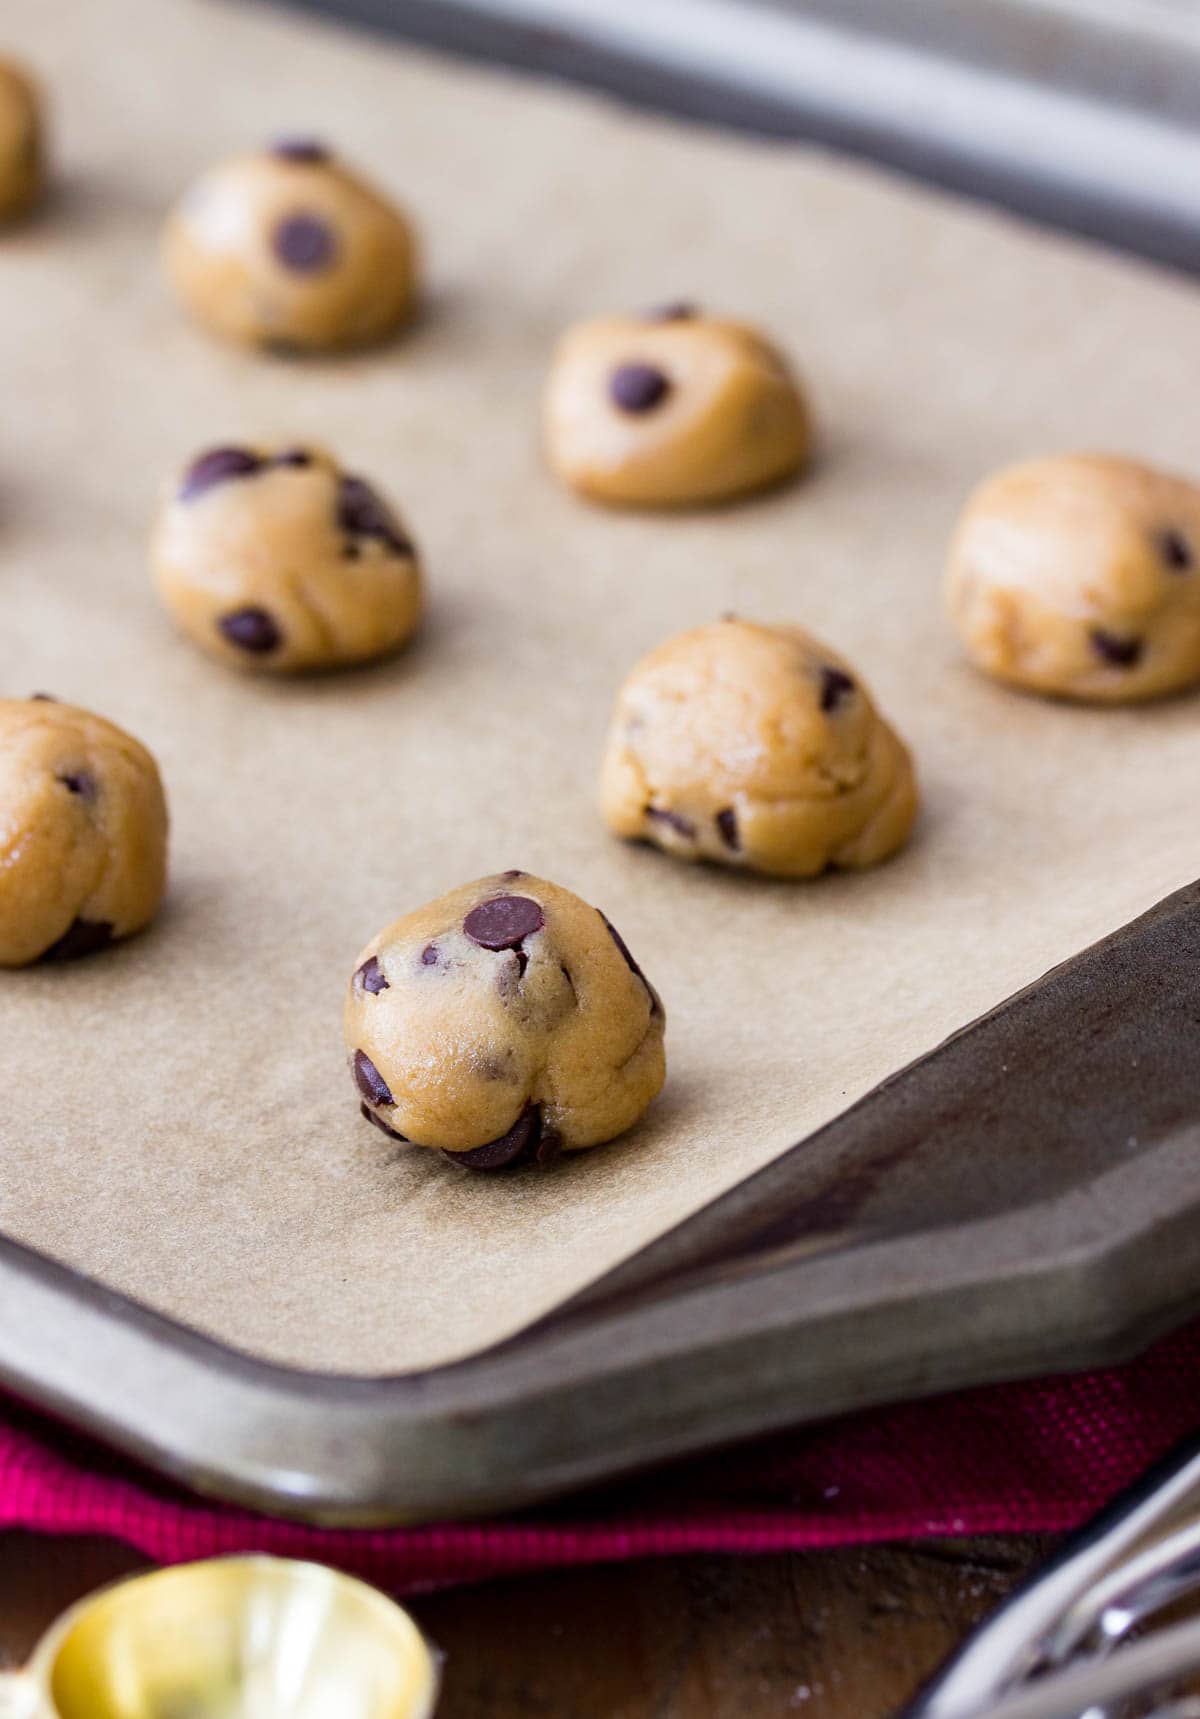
(830, 1635)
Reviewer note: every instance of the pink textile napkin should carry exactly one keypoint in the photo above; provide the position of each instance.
(1043, 1455)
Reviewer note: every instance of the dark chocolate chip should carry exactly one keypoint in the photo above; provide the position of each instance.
(621, 944)
(80, 782)
(519, 1144)
(1121, 653)
(218, 465)
(638, 387)
(42, 698)
(1176, 551)
(727, 825)
(384, 1128)
(549, 1148)
(363, 513)
(303, 151)
(304, 243)
(674, 820)
(504, 921)
(251, 630)
(836, 685)
(369, 1081)
(82, 937)
(429, 955)
(678, 310)
(292, 457)
(512, 874)
(371, 978)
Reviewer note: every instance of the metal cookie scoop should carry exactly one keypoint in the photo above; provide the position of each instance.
(1050, 1651)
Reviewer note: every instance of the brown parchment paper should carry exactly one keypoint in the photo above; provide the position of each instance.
(176, 1116)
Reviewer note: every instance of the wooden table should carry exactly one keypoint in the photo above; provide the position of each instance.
(830, 1635)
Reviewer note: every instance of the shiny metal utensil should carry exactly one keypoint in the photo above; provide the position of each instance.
(1050, 1652)
(233, 1638)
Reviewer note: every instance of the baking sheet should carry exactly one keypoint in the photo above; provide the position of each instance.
(177, 1119)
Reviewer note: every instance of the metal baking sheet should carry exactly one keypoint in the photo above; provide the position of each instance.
(1020, 1199)
(1024, 1199)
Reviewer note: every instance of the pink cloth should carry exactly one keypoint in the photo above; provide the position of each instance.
(1043, 1455)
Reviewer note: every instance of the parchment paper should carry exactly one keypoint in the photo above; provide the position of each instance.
(176, 1118)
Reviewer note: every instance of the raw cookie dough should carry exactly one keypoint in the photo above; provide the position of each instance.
(672, 408)
(1080, 576)
(83, 832)
(289, 250)
(277, 559)
(503, 1023)
(756, 747)
(20, 142)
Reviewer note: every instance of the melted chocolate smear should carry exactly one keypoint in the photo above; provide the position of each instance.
(523, 1142)
(304, 243)
(675, 820)
(1176, 551)
(371, 978)
(80, 782)
(1121, 653)
(218, 465)
(383, 1127)
(362, 513)
(82, 937)
(369, 1081)
(836, 685)
(503, 922)
(251, 630)
(638, 387)
(727, 826)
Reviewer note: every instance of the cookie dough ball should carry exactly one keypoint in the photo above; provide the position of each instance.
(672, 408)
(505, 1022)
(83, 832)
(20, 142)
(756, 747)
(289, 250)
(1080, 576)
(277, 559)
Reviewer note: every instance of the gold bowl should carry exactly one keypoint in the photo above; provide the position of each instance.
(234, 1638)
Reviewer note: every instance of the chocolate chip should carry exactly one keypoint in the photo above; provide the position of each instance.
(429, 955)
(370, 977)
(521, 1143)
(304, 151)
(362, 513)
(727, 825)
(1176, 551)
(304, 243)
(250, 630)
(369, 1081)
(383, 1127)
(1121, 653)
(504, 921)
(674, 820)
(42, 698)
(218, 465)
(638, 387)
(80, 782)
(630, 962)
(836, 685)
(678, 310)
(292, 457)
(82, 937)
(512, 874)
